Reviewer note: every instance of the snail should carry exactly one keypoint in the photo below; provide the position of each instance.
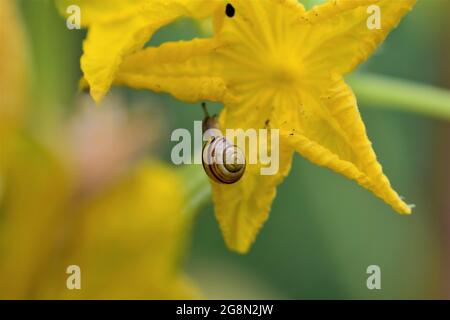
(222, 161)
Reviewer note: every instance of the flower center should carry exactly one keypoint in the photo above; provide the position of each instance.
(282, 71)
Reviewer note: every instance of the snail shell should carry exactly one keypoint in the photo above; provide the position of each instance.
(223, 162)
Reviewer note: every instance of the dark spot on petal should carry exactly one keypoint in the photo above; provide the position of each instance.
(230, 11)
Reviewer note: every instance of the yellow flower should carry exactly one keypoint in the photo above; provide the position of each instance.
(270, 61)
(127, 238)
(13, 70)
(36, 187)
(120, 27)
(129, 243)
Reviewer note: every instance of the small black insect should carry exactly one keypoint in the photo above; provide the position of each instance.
(230, 11)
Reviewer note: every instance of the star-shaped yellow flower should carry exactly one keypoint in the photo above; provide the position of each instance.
(272, 62)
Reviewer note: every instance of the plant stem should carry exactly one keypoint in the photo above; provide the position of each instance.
(387, 92)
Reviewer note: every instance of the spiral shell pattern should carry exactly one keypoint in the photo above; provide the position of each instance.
(223, 162)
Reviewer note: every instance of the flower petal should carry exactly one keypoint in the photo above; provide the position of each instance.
(184, 69)
(109, 41)
(339, 37)
(104, 49)
(243, 207)
(331, 134)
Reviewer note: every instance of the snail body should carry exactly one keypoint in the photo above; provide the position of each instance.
(222, 161)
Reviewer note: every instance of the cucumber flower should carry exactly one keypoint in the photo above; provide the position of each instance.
(274, 64)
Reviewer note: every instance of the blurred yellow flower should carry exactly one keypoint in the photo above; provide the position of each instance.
(272, 62)
(12, 70)
(125, 231)
(36, 188)
(127, 240)
(120, 27)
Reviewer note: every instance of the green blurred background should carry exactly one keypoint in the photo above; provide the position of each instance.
(324, 230)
